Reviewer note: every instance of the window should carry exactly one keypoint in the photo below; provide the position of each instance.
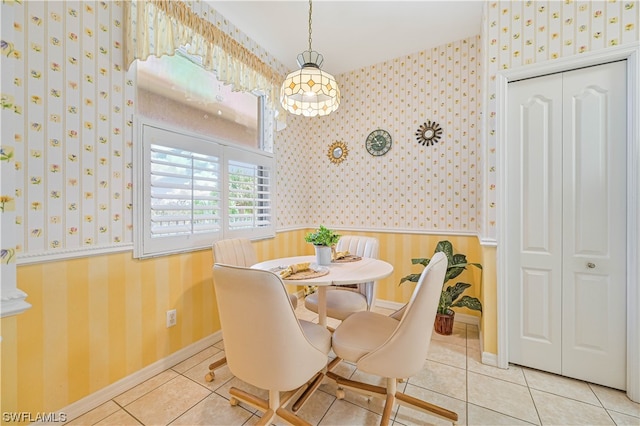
(203, 171)
(177, 90)
(195, 190)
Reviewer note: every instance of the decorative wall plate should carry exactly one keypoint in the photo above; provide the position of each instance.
(337, 152)
(429, 133)
(378, 142)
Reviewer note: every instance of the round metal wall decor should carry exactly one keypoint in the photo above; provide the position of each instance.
(429, 133)
(337, 152)
(378, 142)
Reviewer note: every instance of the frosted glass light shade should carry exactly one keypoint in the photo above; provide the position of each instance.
(310, 91)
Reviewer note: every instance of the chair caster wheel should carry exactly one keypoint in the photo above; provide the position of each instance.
(210, 376)
(340, 394)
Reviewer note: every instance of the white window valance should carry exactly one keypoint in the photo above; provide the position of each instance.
(159, 27)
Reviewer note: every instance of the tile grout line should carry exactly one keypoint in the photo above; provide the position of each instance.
(535, 406)
(196, 402)
(332, 406)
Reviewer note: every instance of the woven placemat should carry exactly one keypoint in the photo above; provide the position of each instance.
(348, 258)
(309, 273)
(302, 275)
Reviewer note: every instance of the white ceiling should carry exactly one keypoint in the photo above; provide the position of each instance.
(352, 33)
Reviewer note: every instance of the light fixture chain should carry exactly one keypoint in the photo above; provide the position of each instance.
(310, 8)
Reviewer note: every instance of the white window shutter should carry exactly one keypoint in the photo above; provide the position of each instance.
(185, 192)
(250, 197)
(196, 191)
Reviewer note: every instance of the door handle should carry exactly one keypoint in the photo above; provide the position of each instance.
(591, 265)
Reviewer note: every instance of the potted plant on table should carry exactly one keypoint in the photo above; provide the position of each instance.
(324, 241)
(450, 296)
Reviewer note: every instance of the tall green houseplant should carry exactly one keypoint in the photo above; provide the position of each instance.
(450, 296)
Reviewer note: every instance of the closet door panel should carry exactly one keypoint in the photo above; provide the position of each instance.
(594, 225)
(534, 202)
(589, 180)
(537, 289)
(536, 174)
(590, 292)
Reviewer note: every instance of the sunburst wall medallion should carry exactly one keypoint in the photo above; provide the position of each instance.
(337, 152)
(429, 133)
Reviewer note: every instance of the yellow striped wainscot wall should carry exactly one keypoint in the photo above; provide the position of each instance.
(98, 324)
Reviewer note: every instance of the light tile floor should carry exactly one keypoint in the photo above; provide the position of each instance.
(453, 377)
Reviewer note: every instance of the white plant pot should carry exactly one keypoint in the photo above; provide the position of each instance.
(323, 255)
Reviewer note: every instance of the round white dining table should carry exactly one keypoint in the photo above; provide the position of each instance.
(361, 271)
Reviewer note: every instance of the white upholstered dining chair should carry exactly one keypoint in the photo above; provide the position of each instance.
(266, 345)
(237, 252)
(394, 348)
(343, 301)
(234, 251)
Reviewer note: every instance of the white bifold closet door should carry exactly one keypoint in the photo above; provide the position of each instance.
(566, 218)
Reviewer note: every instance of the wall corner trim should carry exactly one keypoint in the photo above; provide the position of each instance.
(13, 303)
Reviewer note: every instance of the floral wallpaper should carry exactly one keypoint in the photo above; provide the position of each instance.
(413, 187)
(66, 152)
(518, 33)
(7, 163)
(67, 134)
(68, 105)
(71, 126)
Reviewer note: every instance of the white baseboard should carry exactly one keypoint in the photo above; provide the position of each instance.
(468, 319)
(105, 394)
(490, 359)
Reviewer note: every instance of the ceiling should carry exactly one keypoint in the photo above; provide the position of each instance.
(352, 33)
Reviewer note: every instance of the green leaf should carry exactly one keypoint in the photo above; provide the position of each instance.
(322, 237)
(459, 258)
(411, 277)
(469, 302)
(422, 261)
(456, 290)
(447, 248)
(452, 272)
(445, 302)
(477, 265)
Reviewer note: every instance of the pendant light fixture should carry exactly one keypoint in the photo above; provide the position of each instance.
(310, 91)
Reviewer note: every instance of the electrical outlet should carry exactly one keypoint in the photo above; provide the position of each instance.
(172, 318)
